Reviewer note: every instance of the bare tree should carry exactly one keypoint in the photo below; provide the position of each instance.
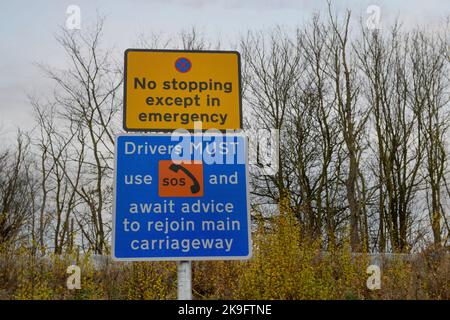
(17, 186)
(352, 120)
(315, 137)
(397, 147)
(61, 165)
(87, 103)
(270, 73)
(431, 97)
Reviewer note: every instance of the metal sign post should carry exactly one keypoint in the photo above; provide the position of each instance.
(184, 280)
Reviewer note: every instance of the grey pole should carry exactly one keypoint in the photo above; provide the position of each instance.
(184, 280)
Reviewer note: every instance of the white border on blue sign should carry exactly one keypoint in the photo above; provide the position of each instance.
(188, 258)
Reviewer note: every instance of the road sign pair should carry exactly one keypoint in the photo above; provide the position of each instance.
(181, 197)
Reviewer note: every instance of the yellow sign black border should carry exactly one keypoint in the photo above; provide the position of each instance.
(124, 107)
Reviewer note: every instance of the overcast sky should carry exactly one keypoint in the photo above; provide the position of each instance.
(27, 30)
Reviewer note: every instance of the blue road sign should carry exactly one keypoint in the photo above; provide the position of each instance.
(181, 197)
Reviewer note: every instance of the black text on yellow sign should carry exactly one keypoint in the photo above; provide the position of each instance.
(166, 90)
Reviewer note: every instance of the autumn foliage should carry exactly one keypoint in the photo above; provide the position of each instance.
(284, 266)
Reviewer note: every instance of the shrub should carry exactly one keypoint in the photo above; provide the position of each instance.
(285, 265)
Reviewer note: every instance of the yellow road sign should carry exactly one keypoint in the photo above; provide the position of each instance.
(166, 90)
